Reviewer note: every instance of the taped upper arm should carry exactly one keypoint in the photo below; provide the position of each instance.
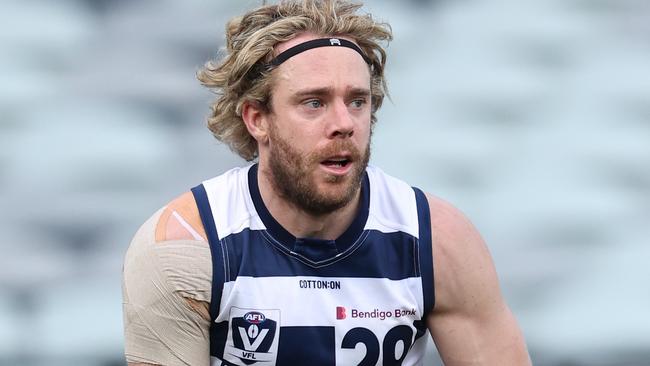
(167, 288)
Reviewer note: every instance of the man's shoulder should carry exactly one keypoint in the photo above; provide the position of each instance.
(180, 220)
(462, 261)
(447, 220)
(177, 220)
(453, 233)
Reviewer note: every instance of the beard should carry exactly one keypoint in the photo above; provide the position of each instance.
(292, 175)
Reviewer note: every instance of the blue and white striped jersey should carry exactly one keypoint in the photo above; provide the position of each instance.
(361, 299)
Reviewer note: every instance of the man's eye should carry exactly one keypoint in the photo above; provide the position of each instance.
(314, 103)
(358, 103)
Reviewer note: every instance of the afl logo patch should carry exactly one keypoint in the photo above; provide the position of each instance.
(254, 317)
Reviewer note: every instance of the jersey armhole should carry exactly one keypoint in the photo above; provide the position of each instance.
(425, 251)
(218, 276)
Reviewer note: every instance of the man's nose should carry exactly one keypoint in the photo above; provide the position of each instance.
(341, 122)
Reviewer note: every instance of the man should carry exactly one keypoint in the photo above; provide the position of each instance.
(309, 257)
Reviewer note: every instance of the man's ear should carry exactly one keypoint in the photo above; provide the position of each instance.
(256, 119)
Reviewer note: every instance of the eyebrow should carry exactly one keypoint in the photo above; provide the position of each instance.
(326, 91)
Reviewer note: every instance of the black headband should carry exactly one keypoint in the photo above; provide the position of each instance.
(314, 43)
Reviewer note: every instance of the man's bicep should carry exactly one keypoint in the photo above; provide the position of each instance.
(165, 287)
(471, 323)
(466, 339)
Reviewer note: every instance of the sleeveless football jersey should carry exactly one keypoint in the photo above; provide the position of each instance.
(361, 299)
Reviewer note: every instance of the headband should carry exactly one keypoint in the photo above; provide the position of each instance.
(314, 43)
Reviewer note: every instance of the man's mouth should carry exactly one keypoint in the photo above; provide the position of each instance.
(336, 162)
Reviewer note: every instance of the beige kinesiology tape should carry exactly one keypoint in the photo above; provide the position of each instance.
(162, 281)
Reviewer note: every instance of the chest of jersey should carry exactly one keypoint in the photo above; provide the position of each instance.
(363, 308)
(280, 300)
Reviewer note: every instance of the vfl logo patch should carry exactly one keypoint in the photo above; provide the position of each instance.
(252, 336)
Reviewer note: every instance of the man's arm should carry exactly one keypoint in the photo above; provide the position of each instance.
(471, 324)
(167, 288)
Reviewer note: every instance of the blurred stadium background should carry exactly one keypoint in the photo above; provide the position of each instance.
(531, 116)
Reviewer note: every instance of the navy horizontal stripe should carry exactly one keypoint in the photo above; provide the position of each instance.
(253, 253)
(314, 346)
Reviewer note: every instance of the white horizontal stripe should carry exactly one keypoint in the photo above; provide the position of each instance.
(231, 203)
(302, 306)
(392, 204)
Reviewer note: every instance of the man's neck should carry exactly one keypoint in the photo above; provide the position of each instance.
(302, 224)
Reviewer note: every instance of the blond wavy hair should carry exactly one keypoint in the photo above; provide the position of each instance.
(240, 75)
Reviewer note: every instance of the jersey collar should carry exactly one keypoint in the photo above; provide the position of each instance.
(316, 249)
